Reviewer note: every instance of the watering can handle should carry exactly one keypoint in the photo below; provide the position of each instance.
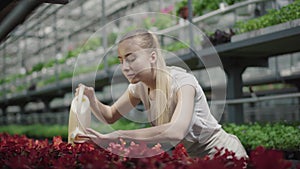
(79, 99)
(79, 104)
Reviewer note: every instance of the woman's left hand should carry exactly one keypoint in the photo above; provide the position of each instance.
(99, 138)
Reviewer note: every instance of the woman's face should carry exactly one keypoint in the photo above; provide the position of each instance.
(135, 61)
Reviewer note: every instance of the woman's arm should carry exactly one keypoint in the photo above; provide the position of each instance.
(175, 130)
(110, 114)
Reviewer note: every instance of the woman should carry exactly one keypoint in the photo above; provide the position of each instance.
(182, 114)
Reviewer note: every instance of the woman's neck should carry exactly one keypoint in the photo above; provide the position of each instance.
(151, 81)
(150, 84)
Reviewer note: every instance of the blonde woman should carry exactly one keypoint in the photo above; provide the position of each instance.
(175, 102)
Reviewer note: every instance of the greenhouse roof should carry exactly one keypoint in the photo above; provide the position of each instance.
(15, 12)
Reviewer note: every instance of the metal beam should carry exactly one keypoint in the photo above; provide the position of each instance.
(37, 22)
(54, 1)
(257, 99)
(17, 16)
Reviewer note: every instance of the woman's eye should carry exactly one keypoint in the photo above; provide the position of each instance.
(130, 59)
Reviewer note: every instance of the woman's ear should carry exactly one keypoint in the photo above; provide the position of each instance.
(153, 57)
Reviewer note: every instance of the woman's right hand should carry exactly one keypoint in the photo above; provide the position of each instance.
(88, 92)
(98, 108)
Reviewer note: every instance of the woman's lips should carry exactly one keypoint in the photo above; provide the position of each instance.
(130, 76)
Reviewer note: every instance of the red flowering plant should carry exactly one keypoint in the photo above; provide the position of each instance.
(262, 158)
(21, 152)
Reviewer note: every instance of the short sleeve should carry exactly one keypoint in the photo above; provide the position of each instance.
(182, 78)
(132, 88)
(187, 79)
(137, 90)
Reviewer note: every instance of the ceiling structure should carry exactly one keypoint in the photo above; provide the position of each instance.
(15, 12)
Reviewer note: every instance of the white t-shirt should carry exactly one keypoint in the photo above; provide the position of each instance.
(203, 123)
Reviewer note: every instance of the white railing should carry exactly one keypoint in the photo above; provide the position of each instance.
(257, 99)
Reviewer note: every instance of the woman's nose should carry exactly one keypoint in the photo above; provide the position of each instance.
(125, 66)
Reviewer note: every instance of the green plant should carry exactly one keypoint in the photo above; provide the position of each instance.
(180, 5)
(72, 53)
(111, 39)
(175, 46)
(2, 81)
(281, 136)
(201, 7)
(276, 136)
(161, 21)
(64, 75)
(37, 67)
(37, 130)
(91, 44)
(49, 131)
(112, 60)
(273, 17)
(50, 63)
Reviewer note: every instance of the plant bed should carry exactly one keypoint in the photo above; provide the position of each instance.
(21, 152)
(266, 30)
(279, 136)
(275, 20)
(291, 154)
(287, 154)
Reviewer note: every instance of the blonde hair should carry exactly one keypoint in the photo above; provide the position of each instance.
(148, 40)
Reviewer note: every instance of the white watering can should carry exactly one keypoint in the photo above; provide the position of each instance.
(79, 116)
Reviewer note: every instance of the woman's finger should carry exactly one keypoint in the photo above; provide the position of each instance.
(94, 132)
(81, 85)
(87, 136)
(76, 91)
(90, 130)
(79, 141)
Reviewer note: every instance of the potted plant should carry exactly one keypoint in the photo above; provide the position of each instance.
(182, 9)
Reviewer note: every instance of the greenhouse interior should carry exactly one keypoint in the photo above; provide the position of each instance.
(245, 54)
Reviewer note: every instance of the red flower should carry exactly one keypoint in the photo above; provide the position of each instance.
(261, 158)
(22, 152)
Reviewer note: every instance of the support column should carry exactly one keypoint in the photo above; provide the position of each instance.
(252, 106)
(104, 37)
(21, 114)
(4, 115)
(46, 103)
(234, 68)
(297, 84)
(235, 91)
